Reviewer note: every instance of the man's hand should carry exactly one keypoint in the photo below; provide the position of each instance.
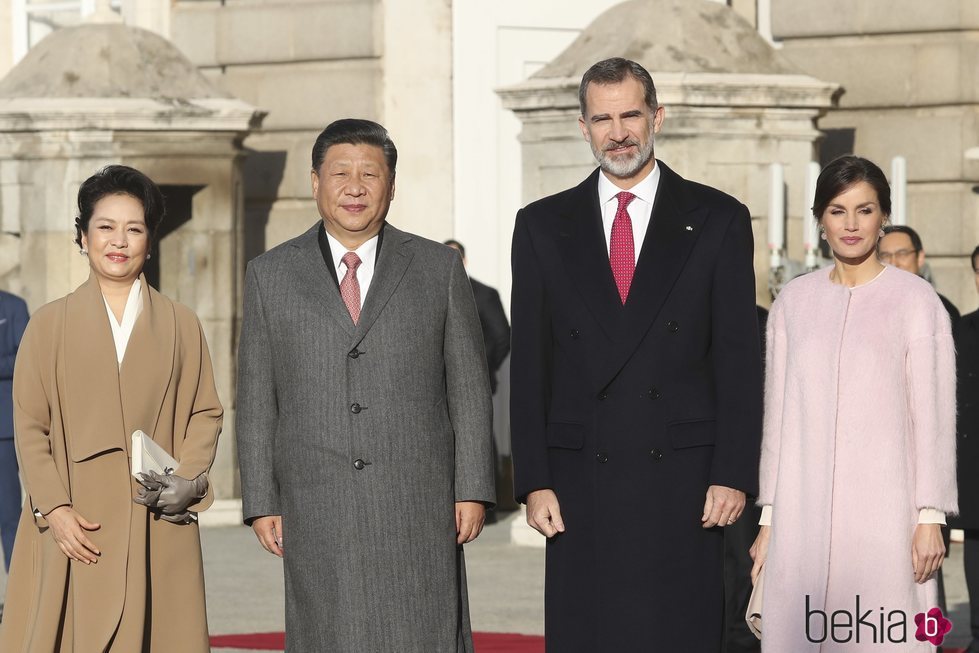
(470, 517)
(268, 529)
(68, 528)
(544, 513)
(759, 551)
(723, 506)
(927, 551)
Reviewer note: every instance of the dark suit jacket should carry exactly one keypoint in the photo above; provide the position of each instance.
(13, 321)
(953, 313)
(630, 412)
(967, 446)
(496, 328)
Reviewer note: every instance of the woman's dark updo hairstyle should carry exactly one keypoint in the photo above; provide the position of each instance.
(119, 180)
(845, 171)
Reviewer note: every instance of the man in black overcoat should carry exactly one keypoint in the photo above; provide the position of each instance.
(636, 385)
(967, 453)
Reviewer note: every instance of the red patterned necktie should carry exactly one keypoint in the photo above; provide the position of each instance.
(622, 250)
(350, 287)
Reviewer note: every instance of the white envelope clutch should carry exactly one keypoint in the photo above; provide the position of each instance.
(148, 456)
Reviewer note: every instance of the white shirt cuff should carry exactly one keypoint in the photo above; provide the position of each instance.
(766, 516)
(931, 516)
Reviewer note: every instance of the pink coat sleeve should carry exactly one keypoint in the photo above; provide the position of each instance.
(931, 399)
(775, 361)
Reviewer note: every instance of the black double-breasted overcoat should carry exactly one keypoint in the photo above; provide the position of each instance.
(629, 412)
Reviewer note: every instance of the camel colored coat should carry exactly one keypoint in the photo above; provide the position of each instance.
(859, 436)
(74, 412)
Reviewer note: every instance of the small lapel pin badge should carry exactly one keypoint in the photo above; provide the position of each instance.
(689, 227)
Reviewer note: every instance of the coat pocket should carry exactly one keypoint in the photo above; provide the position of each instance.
(565, 435)
(692, 433)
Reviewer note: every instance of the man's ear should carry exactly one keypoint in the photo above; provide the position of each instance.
(584, 128)
(315, 180)
(658, 118)
(921, 258)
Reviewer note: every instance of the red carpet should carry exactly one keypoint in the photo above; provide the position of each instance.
(483, 642)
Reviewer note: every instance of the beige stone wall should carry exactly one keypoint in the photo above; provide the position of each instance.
(911, 76)
(307, 64)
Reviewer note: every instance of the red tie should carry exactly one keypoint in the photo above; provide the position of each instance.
(350, 287)
(622, 250)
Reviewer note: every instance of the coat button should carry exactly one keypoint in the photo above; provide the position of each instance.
(672, 326)
(656, 454)
(602, 396)
(601, 457)
(355, 408)
(359, 464)
(574, 334)
(653, 393)
(354, 353)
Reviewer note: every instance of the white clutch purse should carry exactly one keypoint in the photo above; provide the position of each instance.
(148, 456)
(753, 614)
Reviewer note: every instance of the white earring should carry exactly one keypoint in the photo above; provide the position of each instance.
(83, 252)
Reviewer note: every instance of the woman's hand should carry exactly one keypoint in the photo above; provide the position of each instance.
(68, 528)
(927, 551)
(759, 551)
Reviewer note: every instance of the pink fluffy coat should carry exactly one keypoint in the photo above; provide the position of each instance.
(859, 435)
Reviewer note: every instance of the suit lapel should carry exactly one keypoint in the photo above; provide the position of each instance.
(389, 269)
(673, 231)
(581, 240)
(315, 278)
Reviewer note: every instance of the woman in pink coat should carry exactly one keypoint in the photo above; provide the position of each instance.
(858, 456)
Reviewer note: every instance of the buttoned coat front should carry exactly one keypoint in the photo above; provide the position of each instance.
(74, 412)
(629, 412)
(363, 437)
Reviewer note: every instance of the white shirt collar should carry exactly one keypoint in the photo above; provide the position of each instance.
(644, 190)
(367, 253)
(121, 331)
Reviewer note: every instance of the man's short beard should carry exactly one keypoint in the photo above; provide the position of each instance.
(628, 167)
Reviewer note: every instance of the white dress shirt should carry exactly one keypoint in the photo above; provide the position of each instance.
(640, 209)
(121, 331)
(365, 271)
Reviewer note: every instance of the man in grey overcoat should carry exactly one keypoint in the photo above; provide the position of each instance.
(364, 416)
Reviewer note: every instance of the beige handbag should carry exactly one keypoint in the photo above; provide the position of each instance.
(753, 614)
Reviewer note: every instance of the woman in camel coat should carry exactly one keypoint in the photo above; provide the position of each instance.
(93, 570)
(858, 455)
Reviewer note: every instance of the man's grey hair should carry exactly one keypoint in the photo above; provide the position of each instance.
(614, 71)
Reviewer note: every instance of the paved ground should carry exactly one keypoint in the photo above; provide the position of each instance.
(244, 585)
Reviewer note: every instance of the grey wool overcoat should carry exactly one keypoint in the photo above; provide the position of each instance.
(362, 437)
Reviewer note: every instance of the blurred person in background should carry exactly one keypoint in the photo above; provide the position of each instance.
(496, 341)
(967, 364)
(13, 321)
